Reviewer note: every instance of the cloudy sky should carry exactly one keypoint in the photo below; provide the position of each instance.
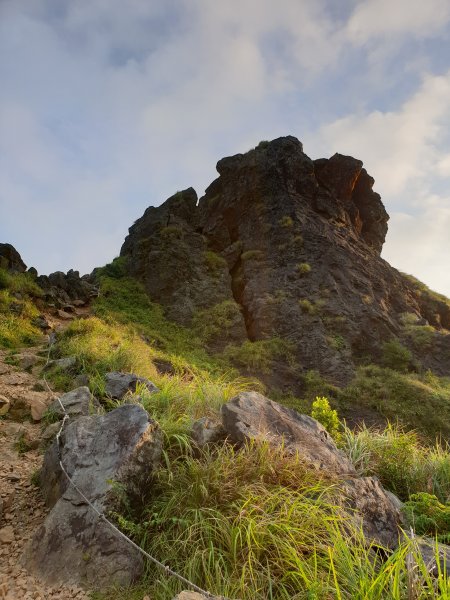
(107, 107)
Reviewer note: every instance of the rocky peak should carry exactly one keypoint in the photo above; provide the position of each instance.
(294, 246)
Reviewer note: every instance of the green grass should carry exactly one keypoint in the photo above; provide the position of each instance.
(403, 464)
(417, 401)
(260, 355)
(18, 311)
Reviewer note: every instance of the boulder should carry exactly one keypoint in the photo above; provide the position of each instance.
(119, 384)
(74, 546)
(252, 416)
(373, 510)
(206, 431)
(79, 402)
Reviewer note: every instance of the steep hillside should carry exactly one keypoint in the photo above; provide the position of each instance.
(285, 248)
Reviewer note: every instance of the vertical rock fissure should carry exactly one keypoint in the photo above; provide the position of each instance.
(237, 289)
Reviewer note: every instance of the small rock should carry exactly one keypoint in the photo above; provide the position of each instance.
(4, 405)
(7, 535)
(64, 364)
(118, 384)
(62, 314)
(76, 403)
(206, 431)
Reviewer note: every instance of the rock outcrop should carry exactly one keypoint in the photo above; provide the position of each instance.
(74, 545)
(118, 384)
(10, 259)
(287, 247)
(63, 290)
(252, 416)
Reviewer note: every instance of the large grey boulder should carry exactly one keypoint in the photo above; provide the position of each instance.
(78, 402)
(119, 384)
(373, 510)
(74, 545)
(252, 416)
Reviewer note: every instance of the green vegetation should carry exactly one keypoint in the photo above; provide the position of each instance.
(424, 290)
(256, 523)
(403, 465)
(217, 321)
(286, 222)
(303, 268)
(17, 310)
(260, 355)
(396, 356)
(252, 255)
(311, 308)
(428, 516)
(328, 417)
(416, 400)
(216, 264)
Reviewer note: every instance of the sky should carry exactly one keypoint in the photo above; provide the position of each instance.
(108, 107)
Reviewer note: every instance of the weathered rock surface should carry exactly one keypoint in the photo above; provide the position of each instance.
(78, 402)
(193, 596)
(67, 289)
(251, 415)
(74, 545)
(431, 553)
(207, 431)
(119, 384)
(4, 405)
(11, 260)
(374, 511)
(246, 246)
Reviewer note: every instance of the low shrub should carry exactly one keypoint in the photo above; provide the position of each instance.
(396, 356)
(260, 355)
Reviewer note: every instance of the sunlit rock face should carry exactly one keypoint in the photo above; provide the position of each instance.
(293, 244)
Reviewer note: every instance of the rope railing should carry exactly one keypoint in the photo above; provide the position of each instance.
(167, 570)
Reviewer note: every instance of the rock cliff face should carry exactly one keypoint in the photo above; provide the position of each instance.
(294, 244)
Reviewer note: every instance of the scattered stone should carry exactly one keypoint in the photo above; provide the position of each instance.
(7, 535)
(206, 431)
(63, 364)
(49, 433)
(62, 314)
(26, 361)
(252, 416)
(78, 402)
(119, 384)
(192, 596)
(74, 546)
(5, 405)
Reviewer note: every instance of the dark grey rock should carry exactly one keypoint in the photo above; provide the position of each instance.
(76, 403)
(252, 416)
(11, 260)
(373, 510)
(63, 364)
(432, 553)
(74, 546)
(119, 384)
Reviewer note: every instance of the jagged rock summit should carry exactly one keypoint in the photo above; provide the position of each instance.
(282, 246)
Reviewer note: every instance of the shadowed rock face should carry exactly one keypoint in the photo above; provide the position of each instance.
(296, 244)
(74, 545)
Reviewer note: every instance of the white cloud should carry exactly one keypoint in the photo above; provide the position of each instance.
(405, 152)
(386, 18)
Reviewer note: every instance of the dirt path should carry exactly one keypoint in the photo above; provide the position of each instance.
(22, 510)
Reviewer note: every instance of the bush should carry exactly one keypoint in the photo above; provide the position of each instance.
(303, 268)
(260, 355)
(322, 412)
(252, 255)
(219, 320)
(396, 356)
(428, 516)
(286, 222)
(215, 263)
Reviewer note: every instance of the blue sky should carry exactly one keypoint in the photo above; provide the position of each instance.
(108, 107)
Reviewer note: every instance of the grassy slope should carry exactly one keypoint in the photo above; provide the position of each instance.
(256, 523)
